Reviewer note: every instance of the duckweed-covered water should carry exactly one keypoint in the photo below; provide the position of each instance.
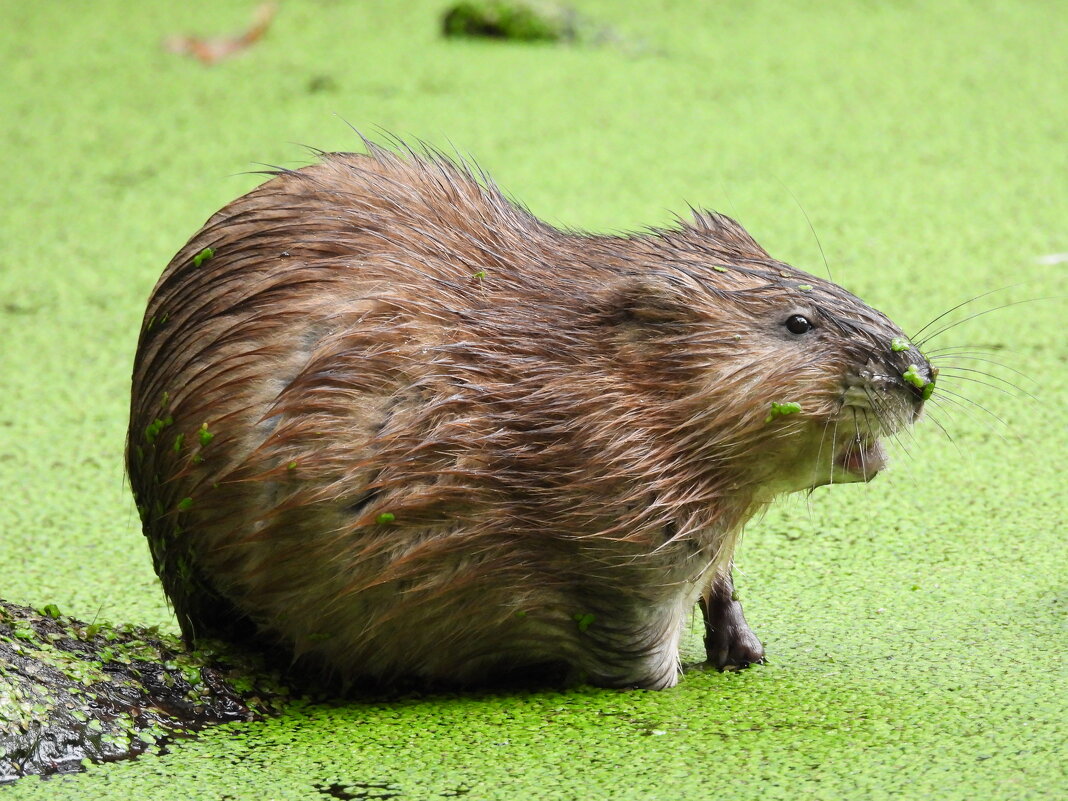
(915, 627)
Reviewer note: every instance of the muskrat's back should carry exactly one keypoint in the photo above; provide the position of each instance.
(389, 422)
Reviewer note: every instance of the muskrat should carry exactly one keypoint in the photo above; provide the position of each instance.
(387, 423)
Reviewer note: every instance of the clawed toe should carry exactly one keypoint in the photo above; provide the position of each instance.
(729, 642)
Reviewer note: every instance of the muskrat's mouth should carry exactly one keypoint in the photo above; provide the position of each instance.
(861, 457)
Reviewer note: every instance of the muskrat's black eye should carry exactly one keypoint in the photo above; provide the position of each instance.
(796, 324)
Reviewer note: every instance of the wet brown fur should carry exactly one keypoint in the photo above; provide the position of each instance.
(446, 440)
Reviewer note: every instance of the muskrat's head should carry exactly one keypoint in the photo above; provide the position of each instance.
(801, 381)
(839, 378)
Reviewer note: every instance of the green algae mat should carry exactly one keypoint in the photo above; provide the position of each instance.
(915, 626)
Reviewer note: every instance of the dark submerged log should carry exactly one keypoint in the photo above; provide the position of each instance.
(72, 692)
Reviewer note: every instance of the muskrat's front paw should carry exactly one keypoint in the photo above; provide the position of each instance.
(729, 642)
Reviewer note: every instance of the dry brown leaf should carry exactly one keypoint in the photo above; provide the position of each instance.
(213, 49)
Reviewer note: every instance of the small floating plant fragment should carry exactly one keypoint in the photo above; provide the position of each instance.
(204, 435)
(185, 504)
(912, 376)
(804, 287)
(782, 409)
(203, 256)
(899, 345)
(152, 429)
(386, 517)
(584, 619)
(511, 20)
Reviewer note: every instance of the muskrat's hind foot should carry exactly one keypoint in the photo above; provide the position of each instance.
(729, 642)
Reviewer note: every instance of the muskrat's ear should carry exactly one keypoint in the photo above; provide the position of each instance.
(641, 300)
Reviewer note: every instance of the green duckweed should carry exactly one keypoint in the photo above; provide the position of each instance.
(782, 409)
(912, 376)
(203, 256)
(507, 20)
(153, 429)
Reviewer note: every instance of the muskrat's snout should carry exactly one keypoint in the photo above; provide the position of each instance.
(912, 374)
(886, 395)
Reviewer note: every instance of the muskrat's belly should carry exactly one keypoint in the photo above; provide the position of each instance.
(454, 606)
